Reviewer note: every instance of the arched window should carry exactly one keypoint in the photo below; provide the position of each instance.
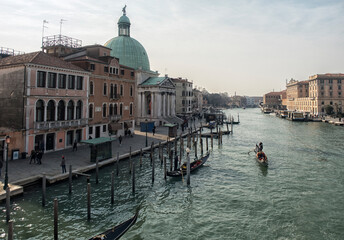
(104, 110)
(115, 109)
(121, 109)
(51, 111)
(91, 88)
(90, 111)
(70, 110)
(111, 91)
(121, 90)
(111, 110)
(115, 90)
(131, 90)
(61, 111)
(39, 111)
(78, 110)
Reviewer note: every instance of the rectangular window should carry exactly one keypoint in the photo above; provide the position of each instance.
(116, 72)
(41, 79)
(121, 90)
(71, 81)
(90, 130)
(79, 82)
(51, 80)
(339, 93)
(104, 128)
(122, 71)
(106, 69)
(132, 74)
(330, 81)
(339, 81)
(62, 81)
(321, 81)
(339, 87)
(92, 67)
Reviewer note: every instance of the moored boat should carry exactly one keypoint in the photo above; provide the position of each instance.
(193, 166)
(117, 231)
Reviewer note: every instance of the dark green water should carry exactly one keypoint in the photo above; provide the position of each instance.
(299, 196)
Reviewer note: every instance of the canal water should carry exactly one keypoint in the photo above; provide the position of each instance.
(299, 196)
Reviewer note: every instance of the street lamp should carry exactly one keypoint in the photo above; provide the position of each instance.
(146, 133)
(8, 141)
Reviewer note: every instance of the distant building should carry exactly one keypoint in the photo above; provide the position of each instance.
(45, 101)
(184, 96)
(197, 101)
(272, 100)
(253, 101)
(313, 95)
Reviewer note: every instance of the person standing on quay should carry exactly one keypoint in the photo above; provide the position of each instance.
(120, 140)
(75, 146)
(153, 130)
(63, 164)
(33, 156)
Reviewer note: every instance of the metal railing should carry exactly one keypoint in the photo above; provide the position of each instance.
(61, 124)
(115, 117)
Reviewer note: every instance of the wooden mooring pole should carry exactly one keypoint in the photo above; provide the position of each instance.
(117, 169)
(153, 170)
(211, 142)
(112, 187)
(88, 201)
(130, 160)
(206, 139)
(188, 170)
(70, 179)
(133, 177)
(165, 170)
(56, 217)
(44, 188)
(97, 171)
(10, 230)
(8, 202)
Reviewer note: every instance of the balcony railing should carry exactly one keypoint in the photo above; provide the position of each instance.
(115, 96)
(61, 124)
(115, 117)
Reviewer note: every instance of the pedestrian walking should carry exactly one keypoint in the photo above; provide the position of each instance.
(39, 157)
(75, 145)
(153, 130)
(120, 140)
(33, 156)
(63, 164)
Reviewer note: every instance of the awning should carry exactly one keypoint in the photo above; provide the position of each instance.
(95, 141)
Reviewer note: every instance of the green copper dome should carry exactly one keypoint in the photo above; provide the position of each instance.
(129, 51)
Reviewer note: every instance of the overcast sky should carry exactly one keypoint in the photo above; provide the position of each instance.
(242, 46)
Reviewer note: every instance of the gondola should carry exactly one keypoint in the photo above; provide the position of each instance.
(261, 158)
(193, 166)
(117, 231)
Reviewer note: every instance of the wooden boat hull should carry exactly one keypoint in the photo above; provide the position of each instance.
(117, 231)
(263, 162)
(193, 166)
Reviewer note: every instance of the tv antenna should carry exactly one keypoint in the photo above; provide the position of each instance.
(44, 22)
(61, 21)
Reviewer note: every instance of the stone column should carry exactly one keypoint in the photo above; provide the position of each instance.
(168, 104)
(158, 113)
(143, 109)
(173, 105)
(139, 102)
(164, 105)
(152, 104)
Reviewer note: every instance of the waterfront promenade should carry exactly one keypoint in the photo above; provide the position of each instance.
(20, 172)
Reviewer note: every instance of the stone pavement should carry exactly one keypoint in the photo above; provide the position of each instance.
(20, 171)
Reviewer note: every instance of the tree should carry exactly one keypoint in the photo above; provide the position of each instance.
(329, 110)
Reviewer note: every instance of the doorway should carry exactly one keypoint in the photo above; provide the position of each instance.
(39, 142)
(50, 141)
(97, 131)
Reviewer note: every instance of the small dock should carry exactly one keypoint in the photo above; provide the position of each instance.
(15, 190)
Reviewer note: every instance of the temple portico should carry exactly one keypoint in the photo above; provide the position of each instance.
(156, 101)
